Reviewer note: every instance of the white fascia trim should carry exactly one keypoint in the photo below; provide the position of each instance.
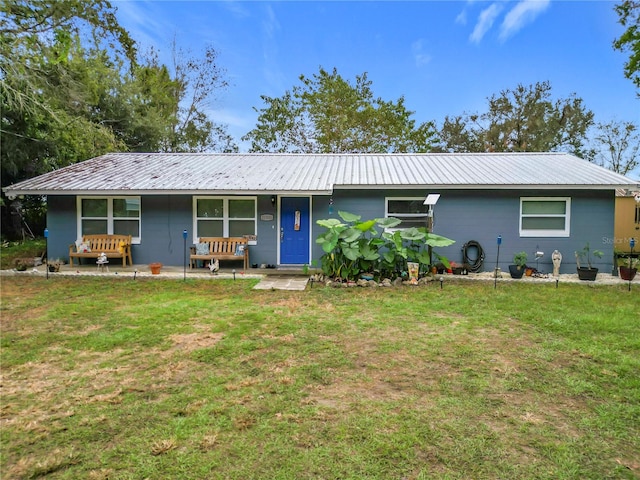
(481, 187)
(117, 193)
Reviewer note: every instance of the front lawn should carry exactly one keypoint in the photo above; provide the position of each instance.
(155, 378)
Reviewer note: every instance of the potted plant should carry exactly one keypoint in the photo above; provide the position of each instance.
(519, 264)
(155, 268)
(589, 272)
(54, 265)
(628, 268)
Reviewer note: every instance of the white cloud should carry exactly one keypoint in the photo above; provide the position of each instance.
(526, 11)
(461, 19)
(236, 8)
(419, 56)
(485, 22)
(270, 51)
(233, 118)
(141, 19)
(270, 24)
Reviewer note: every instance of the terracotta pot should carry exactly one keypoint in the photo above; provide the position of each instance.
(155, 267)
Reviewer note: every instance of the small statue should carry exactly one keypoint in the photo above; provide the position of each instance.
(102, 262)
(556, 258)
(214, 266)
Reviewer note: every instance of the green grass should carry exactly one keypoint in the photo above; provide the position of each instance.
(155, 378)
(12, 251)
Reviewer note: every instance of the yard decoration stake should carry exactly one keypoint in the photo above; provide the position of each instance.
(632, 243)
(184, 251)
(46, 250)
(495, 274)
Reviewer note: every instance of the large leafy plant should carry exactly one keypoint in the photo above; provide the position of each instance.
(353, 246)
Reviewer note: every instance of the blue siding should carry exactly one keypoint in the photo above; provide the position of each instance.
(61, 222)
(460, 215)
(266, 249)
(483, 215)
(164, 217)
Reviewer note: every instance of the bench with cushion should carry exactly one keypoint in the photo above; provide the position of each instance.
(91, 246)
(221, 248)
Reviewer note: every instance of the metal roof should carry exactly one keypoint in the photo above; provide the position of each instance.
(256, 173)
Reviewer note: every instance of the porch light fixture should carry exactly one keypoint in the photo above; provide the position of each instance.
(273, 200)
(330, 205)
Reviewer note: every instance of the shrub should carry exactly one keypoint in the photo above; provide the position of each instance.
(353, 247)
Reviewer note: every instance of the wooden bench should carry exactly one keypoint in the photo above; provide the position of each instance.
(222, 248)
(113, 246)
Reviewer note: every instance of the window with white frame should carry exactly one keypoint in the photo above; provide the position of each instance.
(224, 216)
(545, 216)
(411, 211)
(110, 215)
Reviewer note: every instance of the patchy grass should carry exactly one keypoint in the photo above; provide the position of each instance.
(10, 252)
(119, 379)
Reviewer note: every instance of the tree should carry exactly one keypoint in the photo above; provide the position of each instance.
(629, 41)
(197, 82)
(71, 89)
(619, 146)
(328, 114)
(524, 119)
(46, 30)
(47, 125)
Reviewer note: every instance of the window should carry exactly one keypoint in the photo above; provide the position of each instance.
(545, 216)
(411, 211)
(110, 215)
(224, 216)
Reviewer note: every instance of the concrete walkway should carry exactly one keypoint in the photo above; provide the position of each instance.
(270, 279)
(282, 282)
(280, 279)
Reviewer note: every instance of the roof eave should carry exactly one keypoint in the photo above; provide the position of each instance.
(488, 187)
(12, 193)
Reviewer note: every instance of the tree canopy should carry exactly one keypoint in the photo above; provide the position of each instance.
(327, 114)
(523, 119)
(629, 41)
(618, 146)
(73, 87)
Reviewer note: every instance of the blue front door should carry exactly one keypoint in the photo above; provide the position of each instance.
(294, 230)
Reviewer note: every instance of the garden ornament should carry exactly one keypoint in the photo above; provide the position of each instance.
(556, 258)
(214, 266)
(102, 261)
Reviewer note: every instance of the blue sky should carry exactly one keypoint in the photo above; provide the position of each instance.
(444, 57)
